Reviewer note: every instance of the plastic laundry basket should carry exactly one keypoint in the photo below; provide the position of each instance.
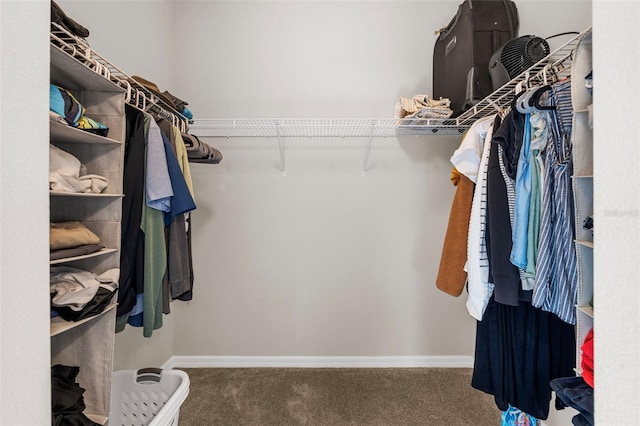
(147, 397)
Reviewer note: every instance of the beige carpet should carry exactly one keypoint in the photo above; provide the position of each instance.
(335, 397)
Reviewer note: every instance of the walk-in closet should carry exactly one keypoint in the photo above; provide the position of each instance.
(306, 262)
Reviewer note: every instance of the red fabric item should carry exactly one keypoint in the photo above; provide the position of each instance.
(587, 358)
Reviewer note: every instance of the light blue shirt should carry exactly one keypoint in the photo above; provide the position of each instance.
(523, 192)
(157, 181)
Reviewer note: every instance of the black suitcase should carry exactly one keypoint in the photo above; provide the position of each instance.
(462, 50)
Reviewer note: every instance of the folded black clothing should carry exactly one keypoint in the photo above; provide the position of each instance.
(67, 401)
(59, 17)
(179, 103)
(94, 307)
(153, 88)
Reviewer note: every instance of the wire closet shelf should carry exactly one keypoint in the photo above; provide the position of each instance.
(136, 94)
(555, 66)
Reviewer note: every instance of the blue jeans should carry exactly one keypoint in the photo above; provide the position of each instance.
(576, 393)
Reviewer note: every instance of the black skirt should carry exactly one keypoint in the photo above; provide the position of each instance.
(519, 350)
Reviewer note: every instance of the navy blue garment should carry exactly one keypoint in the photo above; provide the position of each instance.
(510, 136)
(575, 393)
(519, 350)
(580, 420)
(182, 201)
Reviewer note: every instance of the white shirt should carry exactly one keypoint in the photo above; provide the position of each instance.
(466, 158)
(477, 267)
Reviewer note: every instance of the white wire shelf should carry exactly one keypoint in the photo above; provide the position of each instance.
(324, 127)
(555, 66)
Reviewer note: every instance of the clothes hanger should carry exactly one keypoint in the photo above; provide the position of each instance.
(524, 105)
(519, 91)
(546, 87)
(141, 100)
(535, 100)
(529, 101)
(126, 86)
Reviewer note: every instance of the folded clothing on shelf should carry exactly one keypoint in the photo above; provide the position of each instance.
(63, 235)
(61, 18)
(77, 294)
(179, 103)
(67, 400)
(168, 98)
(153, 88)
(65, 104)
(587, 358)
(576, 393)
(421, 106)
(68, 174)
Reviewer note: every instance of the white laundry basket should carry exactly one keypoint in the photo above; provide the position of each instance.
(147, 397)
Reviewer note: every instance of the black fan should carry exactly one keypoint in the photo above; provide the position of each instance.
(514, 57)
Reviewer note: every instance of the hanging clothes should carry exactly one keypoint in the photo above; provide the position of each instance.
(160, 196)
(132, 238)
(178, 279)
(557, 273)
(159, 259)
(539, 128)
(522, 189)
(451, 274)
(147, 312)
(466, 160)
(505, 147)
(520, 348)
(479, 286)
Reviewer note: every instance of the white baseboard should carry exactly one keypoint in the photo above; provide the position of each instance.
(453, 361)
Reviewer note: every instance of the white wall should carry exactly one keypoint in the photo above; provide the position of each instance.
(617, 211)
(24, 200)
(322, 262)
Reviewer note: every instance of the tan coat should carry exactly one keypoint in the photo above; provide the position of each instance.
(451, 275)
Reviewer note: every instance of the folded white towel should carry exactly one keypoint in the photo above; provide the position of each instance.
(421, 106)
(68, 174)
